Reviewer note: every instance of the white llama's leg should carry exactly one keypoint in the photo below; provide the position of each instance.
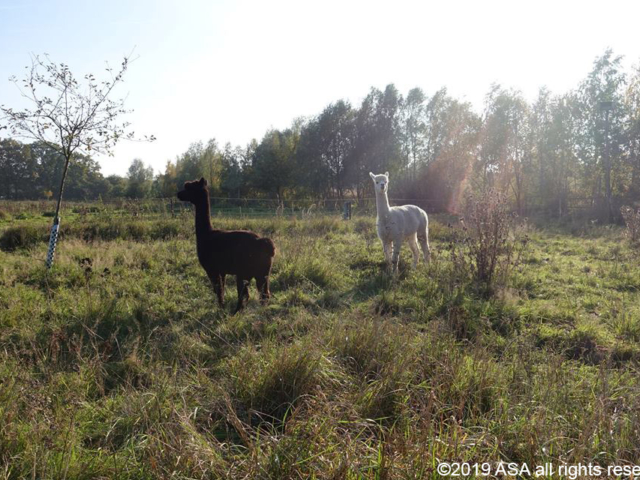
(395, 257)
(386, 248)
(423, 238)
(413, 245)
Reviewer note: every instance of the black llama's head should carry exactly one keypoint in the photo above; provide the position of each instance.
(194, 192)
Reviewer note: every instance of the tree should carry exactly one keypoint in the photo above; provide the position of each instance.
(312, 172)
(437, 113)
(273, 162)
(325, 148)
(68, 116)
(505, 152)
(455, 149)
(232, 178)
(212, 161)
(198, 161)
(140, 179)
(601, 115)
(632, 129)
(17, 170)
(167, 185)
(377, 142)
(414, 123)
(84, 180)
(117, 186)
(448, 153)
(337, 136)
(553, 130)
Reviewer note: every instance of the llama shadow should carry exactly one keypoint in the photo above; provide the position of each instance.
(218, 313)
(376, 278)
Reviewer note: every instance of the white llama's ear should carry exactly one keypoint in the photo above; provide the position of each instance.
(372, 175)
(386, 174)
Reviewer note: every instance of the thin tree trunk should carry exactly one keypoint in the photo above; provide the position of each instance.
(53, 238)
(62, 182)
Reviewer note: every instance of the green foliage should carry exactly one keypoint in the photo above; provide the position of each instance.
(22, 237)
(139, 179)
(632, 221)
(575, 154)
(273, 162)
(118, 362)
(198, 161)
(326, 150)
(368, 347)
(30, 171)
(489, 246)
(275, 380)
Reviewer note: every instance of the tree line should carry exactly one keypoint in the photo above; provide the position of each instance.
(583, 145)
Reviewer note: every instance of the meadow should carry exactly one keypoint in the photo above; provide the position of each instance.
(119, 364)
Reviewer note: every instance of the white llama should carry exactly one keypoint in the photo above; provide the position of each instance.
(396, 224)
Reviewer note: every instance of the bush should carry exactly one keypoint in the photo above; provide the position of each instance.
(274, 380)
(632, 221)
(165, 229)
(24, 236)
(488, 247)
(367, 348)
(110, 230)
(307, 271)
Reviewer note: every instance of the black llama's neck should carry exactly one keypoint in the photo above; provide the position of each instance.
(203, 216)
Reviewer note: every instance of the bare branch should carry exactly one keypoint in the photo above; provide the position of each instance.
(66, 114)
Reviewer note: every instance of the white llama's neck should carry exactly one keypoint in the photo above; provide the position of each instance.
(382, 204)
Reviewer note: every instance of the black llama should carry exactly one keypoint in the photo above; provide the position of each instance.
(229, 252)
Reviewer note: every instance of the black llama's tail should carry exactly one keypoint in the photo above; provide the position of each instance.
(267, 246)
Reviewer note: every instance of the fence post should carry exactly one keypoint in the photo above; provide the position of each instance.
(346, 212)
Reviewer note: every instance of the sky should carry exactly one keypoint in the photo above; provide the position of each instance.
(231, 70)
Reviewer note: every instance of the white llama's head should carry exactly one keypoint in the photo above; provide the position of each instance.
(380, 182)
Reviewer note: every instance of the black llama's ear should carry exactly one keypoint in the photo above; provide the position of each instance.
(203, 182)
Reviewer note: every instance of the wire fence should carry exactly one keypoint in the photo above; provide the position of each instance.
(267, 207)
(220, 206)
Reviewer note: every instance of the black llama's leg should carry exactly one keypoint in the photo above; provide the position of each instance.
(218, 286)
(243, 292)
(263, 287)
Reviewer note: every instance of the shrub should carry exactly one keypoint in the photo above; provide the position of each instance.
(380, 355)
(489, 246)
(308, 271)
(24, 236)
(632, 221)
(274, 380)
(366, 348)
(165, 229)
(122, 229)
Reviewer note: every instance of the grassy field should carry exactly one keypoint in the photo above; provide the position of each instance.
(118, 364)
